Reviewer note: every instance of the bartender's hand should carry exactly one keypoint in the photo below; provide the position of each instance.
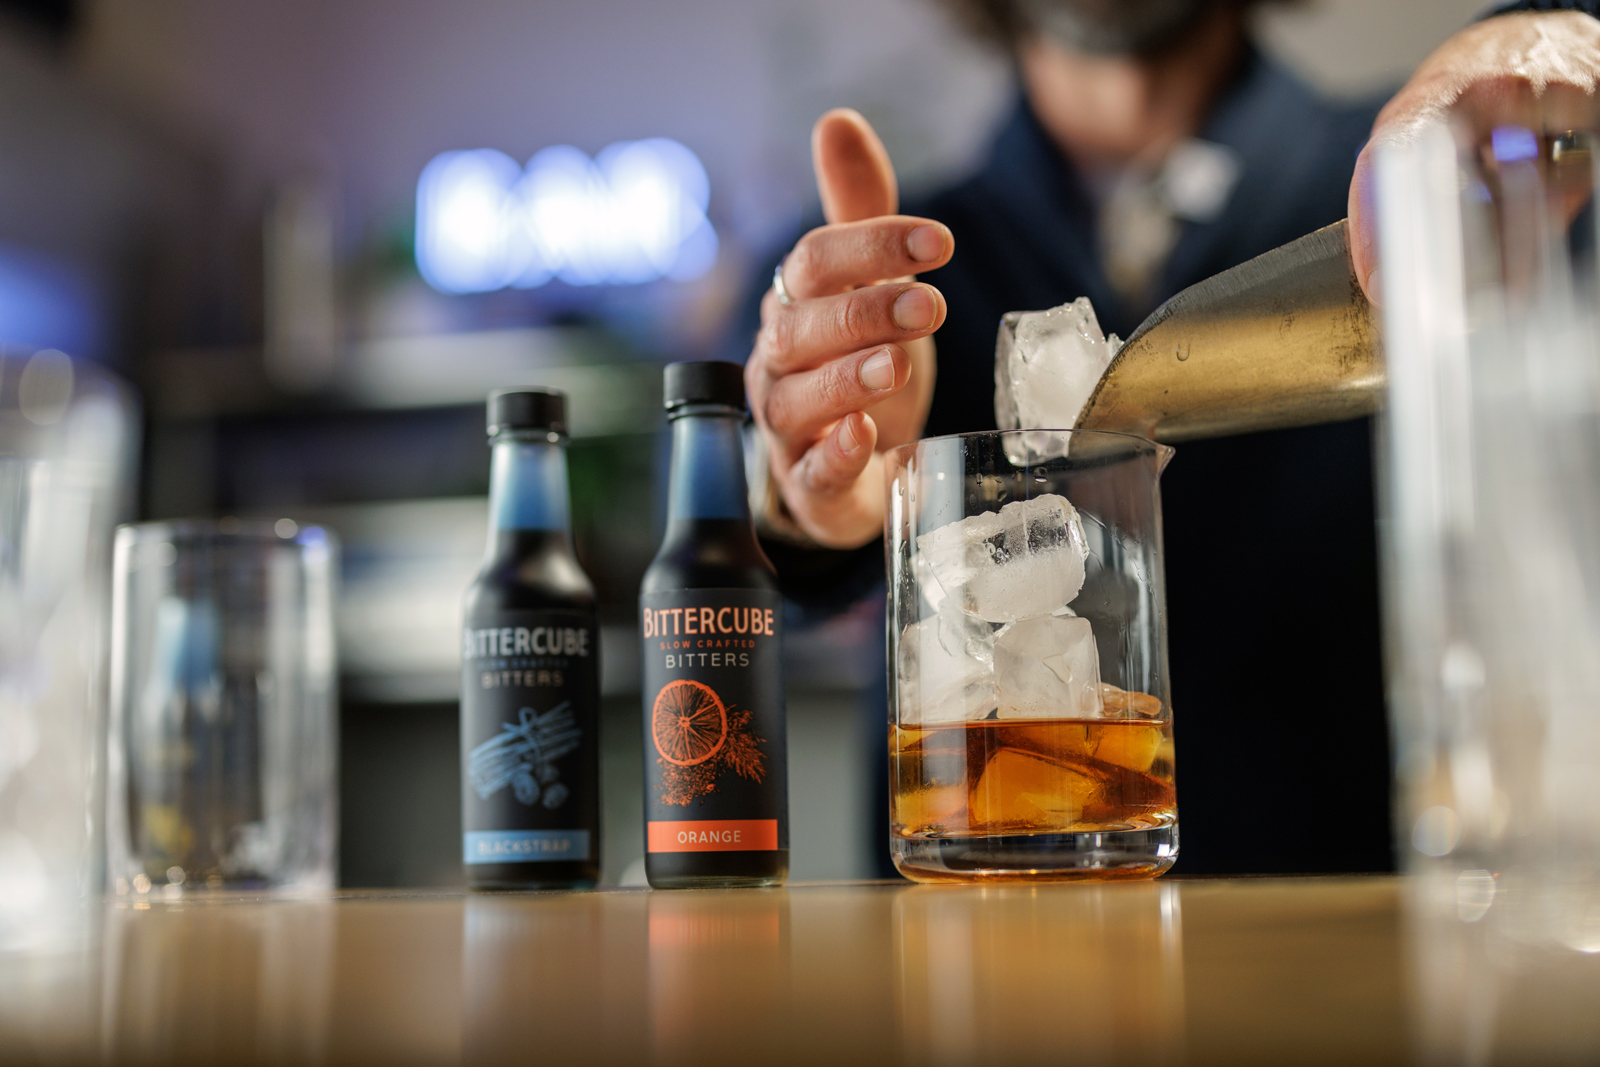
(1536, 70)
(845, 370)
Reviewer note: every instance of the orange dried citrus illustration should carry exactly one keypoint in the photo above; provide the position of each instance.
(688, 722)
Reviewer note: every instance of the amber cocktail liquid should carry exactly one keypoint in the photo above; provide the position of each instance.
(972, 793)
(1030, 776)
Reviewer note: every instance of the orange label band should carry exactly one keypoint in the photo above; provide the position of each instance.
(713, 835)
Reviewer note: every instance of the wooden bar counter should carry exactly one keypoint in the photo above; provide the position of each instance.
(1268, 971)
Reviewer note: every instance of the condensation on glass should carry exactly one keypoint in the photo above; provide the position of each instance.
(1030, 732)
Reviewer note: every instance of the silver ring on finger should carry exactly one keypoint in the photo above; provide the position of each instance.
(778, 287)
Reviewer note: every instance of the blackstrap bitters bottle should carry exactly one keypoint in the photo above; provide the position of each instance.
(530, 668)
(716, 765)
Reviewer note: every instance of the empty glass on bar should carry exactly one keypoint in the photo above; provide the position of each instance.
(223, 753)
(1030, 731)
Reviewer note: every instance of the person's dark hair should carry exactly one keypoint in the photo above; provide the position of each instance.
(997, 22)
(1098, 25)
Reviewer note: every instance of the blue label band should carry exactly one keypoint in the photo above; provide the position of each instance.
(525, 846)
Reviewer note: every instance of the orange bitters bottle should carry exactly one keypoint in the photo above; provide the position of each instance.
(716, 789)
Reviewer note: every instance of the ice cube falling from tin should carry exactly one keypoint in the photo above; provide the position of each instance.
(1285, 339)
(1047, 364)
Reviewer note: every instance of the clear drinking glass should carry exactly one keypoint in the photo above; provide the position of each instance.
(1030, 727)
(222, 761)
(1490, 478)
(67, 433)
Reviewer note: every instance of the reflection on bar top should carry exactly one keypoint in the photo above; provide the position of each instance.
(1238, 971)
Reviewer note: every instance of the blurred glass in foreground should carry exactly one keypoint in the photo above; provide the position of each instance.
(66, 429)
(633, 214)
(1492, 535)
(222, 754)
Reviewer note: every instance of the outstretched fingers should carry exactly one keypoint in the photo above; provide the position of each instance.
(836, 343)
(800, 406)
(808, 333)
(854, 175)
(837, 259)
(834, 463)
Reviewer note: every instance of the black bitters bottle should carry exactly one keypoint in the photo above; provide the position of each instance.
(530, 668)
(716, 766)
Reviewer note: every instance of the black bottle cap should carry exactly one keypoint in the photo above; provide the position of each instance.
(704, 382)
(527, 409)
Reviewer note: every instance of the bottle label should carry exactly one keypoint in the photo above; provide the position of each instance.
(530, 699)
(716, 763)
